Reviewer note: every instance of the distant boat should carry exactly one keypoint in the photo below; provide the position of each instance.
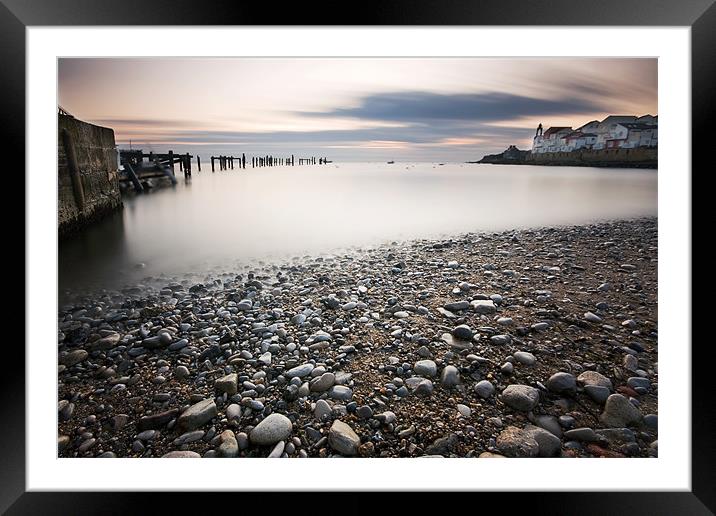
(391, 162)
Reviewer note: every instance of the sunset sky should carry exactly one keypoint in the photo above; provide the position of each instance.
(439, 109)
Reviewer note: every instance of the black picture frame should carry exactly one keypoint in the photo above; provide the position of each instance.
(700, 15)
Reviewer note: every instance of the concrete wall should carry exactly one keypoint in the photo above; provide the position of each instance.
(640, 157)
(97, 164)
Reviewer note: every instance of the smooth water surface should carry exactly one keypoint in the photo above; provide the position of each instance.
(217, 220)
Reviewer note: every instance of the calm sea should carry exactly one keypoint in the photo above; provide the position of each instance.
(218, 220)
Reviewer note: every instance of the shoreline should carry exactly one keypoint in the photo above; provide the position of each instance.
(375, 339)
(567, 163)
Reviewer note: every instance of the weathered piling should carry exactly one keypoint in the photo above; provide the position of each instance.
(171, 160)
(198, 162)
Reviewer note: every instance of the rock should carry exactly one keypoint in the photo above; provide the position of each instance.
(549, 423)
(457, 306)
(589, 316)
(364, 412)
(442, 445)
(65, 410)
(549, 444)
(500, 340)
(228, 384)
(425, 368)
(197, 415)
(181, 454)
(637, 382)
(181, 372)
(272, 429)
(490, 455)
(514, 442)
(233, 412)
(343, 439)
(155, 421)
(299, 371)
(651, 421)
(619, 412)
(462, 332)
(450, 376)
(323, 382)
(630, 362)
(484, 389)
(598, 393)
(616, 436)
(86, 445)
(594, 378)
(386, 417)
(105, 343)
(507, 368)
(243, 440)
(277, 450)
(74, 357)
(484, 306)
(322, 411)
(520, 397)
(424, 388)
(265, 358)
(454, 342)
(464, 410)
(244, 305)
(581, 434)
(229, 447)
(340, 392)
(524, 358)
(562, 383)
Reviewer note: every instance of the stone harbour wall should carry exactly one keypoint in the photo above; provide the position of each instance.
(640, 157)
(97, 193)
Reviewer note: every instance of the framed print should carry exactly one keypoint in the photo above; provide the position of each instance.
(439, 235)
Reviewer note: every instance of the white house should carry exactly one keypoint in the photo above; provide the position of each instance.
(607, 130)
(553, 140)
(614, 132)
(638, 135)
(577, 140)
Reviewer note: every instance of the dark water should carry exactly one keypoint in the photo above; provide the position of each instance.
(219, 220)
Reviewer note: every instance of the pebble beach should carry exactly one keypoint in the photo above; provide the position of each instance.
(526, 343)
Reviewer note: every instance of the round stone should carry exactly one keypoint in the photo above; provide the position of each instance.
(425, 368)
(562, 382)
(484, 389)
(520, 397)
(272, 429)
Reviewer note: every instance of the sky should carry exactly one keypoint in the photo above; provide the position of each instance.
(349, 109)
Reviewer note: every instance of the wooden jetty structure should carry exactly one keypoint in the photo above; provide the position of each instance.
(156, 165)
(139, 165)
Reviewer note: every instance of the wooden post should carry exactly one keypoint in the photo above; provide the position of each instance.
(243, 160)
(77, 188)
(171, 160)
(133, 177)
(212, 163)
(198, 162)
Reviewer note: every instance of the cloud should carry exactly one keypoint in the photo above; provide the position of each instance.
(425, 107)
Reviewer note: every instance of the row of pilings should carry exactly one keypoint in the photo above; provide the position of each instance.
(229, 162)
